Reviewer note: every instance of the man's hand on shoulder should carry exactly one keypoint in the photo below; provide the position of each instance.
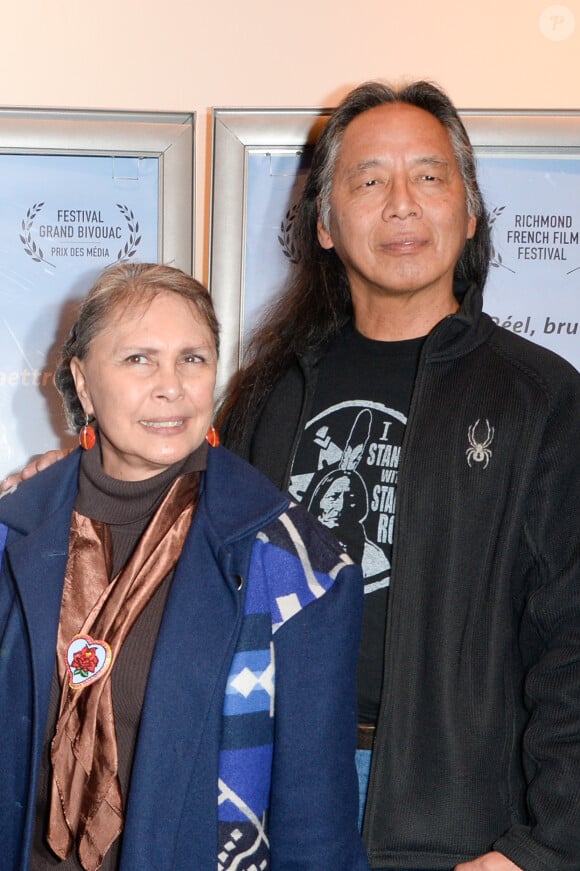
(493, 861)
(34, 466)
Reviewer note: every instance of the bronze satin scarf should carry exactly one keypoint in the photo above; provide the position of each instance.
(86, 805)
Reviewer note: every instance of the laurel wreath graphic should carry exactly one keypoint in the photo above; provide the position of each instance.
(285, 237)
(496, 258)
(30, 247)
(129, 249)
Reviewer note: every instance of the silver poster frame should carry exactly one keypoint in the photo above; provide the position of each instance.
(236, 134)
(168, 136)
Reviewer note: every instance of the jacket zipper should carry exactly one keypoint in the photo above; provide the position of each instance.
(387, 671)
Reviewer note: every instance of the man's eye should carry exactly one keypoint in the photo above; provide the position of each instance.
(136, 358)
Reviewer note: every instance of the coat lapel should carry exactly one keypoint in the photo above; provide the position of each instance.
(38, 563)
(177, 753)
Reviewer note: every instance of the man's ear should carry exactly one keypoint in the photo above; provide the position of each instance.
(78, 373)
(323, 234)
(471, 226)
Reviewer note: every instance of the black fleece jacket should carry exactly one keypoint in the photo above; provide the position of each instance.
(478, 739)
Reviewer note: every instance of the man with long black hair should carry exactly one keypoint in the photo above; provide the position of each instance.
(377, 390)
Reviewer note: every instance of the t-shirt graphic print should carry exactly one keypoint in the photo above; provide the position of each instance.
(345, 473)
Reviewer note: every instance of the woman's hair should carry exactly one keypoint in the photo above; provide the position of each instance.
(317, 301)
(118, 289)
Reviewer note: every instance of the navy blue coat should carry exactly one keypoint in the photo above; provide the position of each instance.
(171, 818)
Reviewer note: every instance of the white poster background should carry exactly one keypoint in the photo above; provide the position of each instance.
(64, 218)
(275, 183)
(534, 283)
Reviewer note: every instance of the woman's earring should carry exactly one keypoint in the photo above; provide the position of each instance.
(87, 435)
(213, 437)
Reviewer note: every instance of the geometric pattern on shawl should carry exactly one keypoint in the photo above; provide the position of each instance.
(291, 566)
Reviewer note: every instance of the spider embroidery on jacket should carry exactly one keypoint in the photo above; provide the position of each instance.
(479, 451)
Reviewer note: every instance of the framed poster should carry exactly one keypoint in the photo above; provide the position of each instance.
(529, 170)
(80, 191)
(260, 162)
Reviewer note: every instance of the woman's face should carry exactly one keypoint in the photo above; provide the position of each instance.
(148, 378)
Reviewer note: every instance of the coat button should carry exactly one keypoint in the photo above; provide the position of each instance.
(239, 581)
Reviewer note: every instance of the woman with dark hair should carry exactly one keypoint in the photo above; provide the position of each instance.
(178, 640)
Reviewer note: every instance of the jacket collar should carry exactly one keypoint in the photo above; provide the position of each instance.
(460, 333)
(455, 335)
(52, 492)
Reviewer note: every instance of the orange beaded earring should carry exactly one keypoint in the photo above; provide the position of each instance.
(87, 435)
(213, 437)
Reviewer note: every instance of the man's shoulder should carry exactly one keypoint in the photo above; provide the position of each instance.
(528, 359)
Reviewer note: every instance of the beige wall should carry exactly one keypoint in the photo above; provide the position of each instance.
(188, 56)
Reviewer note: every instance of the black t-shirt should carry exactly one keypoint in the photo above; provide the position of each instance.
(345, 471)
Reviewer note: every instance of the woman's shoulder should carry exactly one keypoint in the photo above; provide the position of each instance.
(238, 490)
(298, 532)
(37, 497)
(297, 562)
